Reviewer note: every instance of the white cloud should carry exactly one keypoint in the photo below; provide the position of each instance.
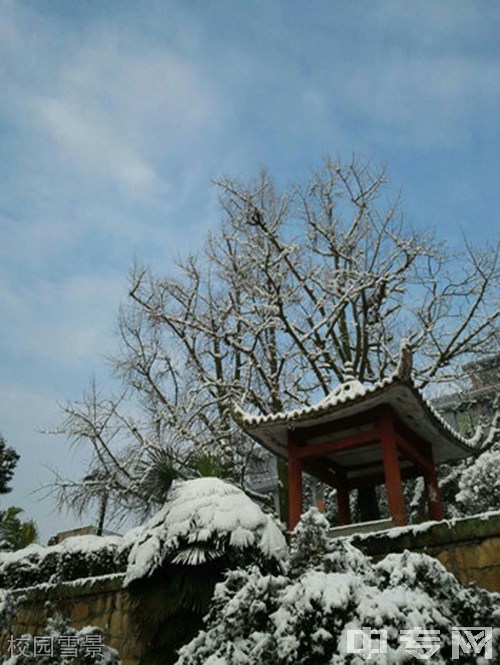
(119, 113)
(109, 130)
(94, 144)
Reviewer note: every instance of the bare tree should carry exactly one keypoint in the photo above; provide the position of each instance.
(292, 285)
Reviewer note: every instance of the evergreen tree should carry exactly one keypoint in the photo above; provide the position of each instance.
(310, 541)
(8, 461)
(479, 483)
(14, 533)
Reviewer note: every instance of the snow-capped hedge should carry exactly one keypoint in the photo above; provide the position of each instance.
(74, 558)
(203, 520)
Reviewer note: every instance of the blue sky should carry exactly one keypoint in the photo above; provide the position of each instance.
(115, 115)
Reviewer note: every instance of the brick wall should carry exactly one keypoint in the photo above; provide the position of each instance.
(99, 602)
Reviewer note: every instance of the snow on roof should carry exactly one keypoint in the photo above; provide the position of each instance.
(351, 398)
(200, 511)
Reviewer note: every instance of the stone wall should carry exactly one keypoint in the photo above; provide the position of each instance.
(468, 547)
(99, 602)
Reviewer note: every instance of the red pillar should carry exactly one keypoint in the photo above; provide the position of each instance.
(392, 472)
(343, 503)
(294, 485)
(436, 511)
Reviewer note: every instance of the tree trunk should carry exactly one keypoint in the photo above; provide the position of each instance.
(103, 504)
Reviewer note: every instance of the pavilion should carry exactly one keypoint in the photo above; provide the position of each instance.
(360, 436)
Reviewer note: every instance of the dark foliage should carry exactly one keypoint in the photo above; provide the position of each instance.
(8, 462)
(60, 564)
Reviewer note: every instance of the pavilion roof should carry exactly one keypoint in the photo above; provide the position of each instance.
(351, 399)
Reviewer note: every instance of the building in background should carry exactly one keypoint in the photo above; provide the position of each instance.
(79, 531)
(464, 409)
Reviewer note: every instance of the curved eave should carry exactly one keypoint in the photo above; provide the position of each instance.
(405, 399)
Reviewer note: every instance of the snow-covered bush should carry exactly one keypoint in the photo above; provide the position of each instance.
(203, 520)
(74, 558)
(479, 483)
(310, 541)
(301, 617)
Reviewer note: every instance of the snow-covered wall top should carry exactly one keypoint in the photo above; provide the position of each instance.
(74, 558)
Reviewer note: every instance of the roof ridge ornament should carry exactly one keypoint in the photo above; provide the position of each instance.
(351, 386)
(348, 373)
(404, 367)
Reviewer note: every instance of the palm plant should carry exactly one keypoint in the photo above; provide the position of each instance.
(14, 533)
(206, 527)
